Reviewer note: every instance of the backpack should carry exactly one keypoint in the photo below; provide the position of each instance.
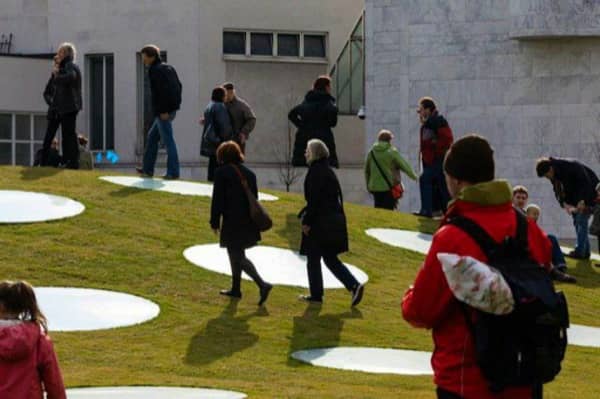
(527, 346)
(173, 87)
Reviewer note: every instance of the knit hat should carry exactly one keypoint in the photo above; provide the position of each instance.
(471, 159)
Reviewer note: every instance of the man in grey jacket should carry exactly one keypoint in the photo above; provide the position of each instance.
(242, 117)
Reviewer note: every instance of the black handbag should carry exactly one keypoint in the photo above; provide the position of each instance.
(258, 213)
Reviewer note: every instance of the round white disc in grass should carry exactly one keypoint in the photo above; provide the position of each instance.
(81, 309)
(584, 336)
(369, 360)
(151, 393)
(28, 207)
(411, 240)
(171, 186)
(275, 265)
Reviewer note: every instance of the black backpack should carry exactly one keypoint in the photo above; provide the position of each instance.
(527, 346)
(173, 87)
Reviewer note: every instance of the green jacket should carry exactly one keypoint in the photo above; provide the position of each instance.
(391, 162)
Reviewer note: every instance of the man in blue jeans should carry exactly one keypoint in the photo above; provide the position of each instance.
(166, 100)
(574, 187)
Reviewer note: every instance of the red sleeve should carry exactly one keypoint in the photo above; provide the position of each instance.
(425, 304)
(540, 245)
(445, 138)
(49, 370)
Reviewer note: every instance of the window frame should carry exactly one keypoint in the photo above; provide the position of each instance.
(13, 137)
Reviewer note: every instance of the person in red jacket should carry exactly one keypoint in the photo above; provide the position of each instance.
(436, 139)
(469, 168)
(28, 364)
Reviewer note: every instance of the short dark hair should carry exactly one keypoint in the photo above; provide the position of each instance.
(151, 50)
(228, 86)
(471, 159)
(543, 166)
(520, 190)
(428, 103)
(322, 82)
(218, 94)
(229, 152)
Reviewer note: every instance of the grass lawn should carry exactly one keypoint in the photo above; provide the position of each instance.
(132, 241)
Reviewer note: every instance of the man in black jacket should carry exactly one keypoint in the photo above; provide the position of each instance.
(63, 96)
(575, 189)
(166, 100)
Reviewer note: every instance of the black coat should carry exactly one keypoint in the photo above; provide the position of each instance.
(573, 182)
(63, 91)
(166, 88)
(230, 210)
(324, 212)
(217, 119)
(314, 119)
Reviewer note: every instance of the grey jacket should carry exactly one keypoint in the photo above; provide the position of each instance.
(242, 117)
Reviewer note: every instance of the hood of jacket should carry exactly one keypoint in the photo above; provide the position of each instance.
(318, 96)
(382, 146)
(18, 341)
(493, 193)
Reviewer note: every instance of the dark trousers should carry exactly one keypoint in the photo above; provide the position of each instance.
(212, 167)
(70, 145)
(239, 262)
(443, 394)
(384, 200)
(315, 273)
(558, 258)
(432, 184)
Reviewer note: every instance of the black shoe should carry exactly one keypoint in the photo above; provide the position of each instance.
(308, 298)
(422, 215)
(577, 255)
(559, 276)
(597, 265)
(143, 173)
(264, 293)
(357, 294)
(231, 294)
(561, 268)
(167, 177)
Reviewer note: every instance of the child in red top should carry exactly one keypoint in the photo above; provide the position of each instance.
(28, 364)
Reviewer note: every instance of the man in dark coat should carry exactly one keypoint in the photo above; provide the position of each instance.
(575, 190)
(242, 117)
(436, 139)
(63, 96)
(166, 100)
(314, 119)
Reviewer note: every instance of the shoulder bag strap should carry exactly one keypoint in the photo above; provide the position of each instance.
(242, 177)
(477, 233)
(381, 170)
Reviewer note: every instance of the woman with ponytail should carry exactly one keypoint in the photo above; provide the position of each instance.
(28, 363)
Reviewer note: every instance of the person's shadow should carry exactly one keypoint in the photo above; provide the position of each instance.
(292, 231)
(586, 273)
(314, 331)
(223, 336)
(37, 173)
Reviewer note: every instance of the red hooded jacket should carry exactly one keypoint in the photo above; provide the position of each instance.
(430, 303)
(28, 364)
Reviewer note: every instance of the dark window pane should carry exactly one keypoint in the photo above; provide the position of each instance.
(110, 103)
(96, 101)
(234, 43)
(23, 127)
(23, 154)
(5, 127)
(357, 75)
(5, 154)
(314, 46)
(288, 45)
(40, 123)
(343, 81)
(261, 44)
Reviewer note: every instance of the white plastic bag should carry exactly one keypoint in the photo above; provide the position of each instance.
(477, 284)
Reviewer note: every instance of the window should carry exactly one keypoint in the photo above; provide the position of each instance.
(244, 45)
(145, 112)
(234, 43)
(101, 101)
(21, 136)
(348, 73)
(288, 45)
(314, 46)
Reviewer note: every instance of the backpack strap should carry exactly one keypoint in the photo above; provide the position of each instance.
(477, 233)
(522, 227)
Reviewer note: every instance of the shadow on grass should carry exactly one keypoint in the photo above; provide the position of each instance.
(125, 192)
(291, 231)
(588, 276)
(223, 336)
(428, 226)
(38, 173)
(313, 330)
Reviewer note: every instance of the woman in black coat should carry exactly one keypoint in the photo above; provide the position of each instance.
(217, 129)
(314, 119)
(324, 230)
(230, 216)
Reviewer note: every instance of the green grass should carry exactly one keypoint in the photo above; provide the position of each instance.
(132, 240)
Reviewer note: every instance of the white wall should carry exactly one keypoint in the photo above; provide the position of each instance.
(22, 82)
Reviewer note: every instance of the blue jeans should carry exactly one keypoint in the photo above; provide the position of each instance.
(581, 222)
(161, 131)
(433, 184)
(558, 258)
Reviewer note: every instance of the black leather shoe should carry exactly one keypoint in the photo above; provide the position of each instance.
(264, 293)
(142, 173)
(577, 255)
(308, 298)
(562, 277)
(231, 294)
(357, 295)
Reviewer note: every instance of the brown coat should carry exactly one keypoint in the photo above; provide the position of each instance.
(242, 117)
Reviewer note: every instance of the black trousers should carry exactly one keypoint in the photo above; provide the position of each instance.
(315, 273)
(70, 145)
(384, 200)
(443, 394)
(212, 167)
(239, 262)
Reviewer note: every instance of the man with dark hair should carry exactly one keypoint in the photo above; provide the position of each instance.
(575, 190)
(429, 303)
(242, 117)
(166, 100)
(436, 139)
